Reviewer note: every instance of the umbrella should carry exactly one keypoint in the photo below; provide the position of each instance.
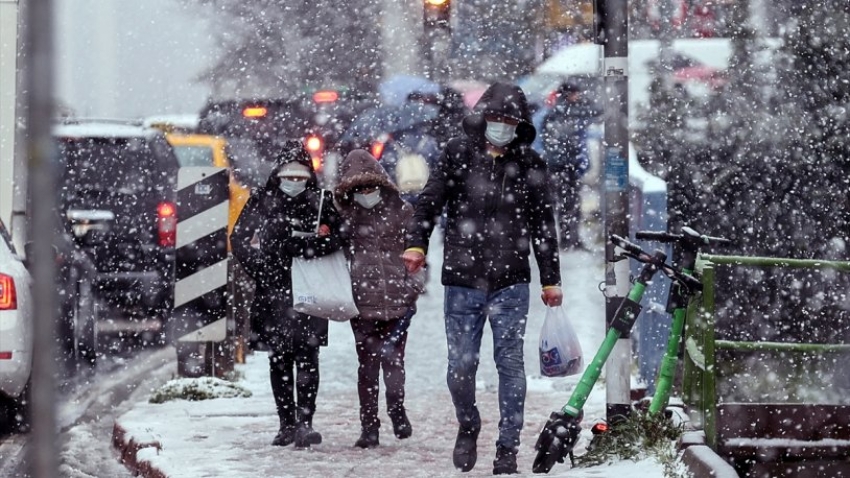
(470, 89)
(395, 89)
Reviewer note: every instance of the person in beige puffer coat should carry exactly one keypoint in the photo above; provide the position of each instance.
(374, 221)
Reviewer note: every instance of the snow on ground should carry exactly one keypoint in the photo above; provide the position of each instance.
(231, 437)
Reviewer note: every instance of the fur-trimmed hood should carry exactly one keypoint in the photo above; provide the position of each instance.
(361, 169)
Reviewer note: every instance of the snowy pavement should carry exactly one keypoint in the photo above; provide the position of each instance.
(232, 436)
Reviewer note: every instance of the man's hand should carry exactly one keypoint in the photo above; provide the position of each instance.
(552, 296)
(324, 230)
(413, 261)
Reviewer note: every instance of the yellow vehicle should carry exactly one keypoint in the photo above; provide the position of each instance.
(205, 150)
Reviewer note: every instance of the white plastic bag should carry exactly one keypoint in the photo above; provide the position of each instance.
(321, 287)
(560, 350)
(411, 173)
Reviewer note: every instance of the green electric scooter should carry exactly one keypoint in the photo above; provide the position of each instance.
(561, 432)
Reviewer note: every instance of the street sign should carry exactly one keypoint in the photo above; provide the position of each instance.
(200, 290)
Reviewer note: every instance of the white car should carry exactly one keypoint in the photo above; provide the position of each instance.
(16, 332)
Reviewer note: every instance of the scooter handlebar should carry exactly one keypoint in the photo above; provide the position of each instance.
(688, 235)
(657, 236)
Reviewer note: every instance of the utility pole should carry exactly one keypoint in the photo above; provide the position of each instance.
(612, 34)
(38, 95)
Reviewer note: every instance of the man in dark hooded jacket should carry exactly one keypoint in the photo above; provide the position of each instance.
(498, 205)
(276, 225)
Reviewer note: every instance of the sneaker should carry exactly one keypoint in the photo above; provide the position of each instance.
(285, 436)
(401, 425)
(505, 462)
(306, 436)
(368, 439)
(465, 453)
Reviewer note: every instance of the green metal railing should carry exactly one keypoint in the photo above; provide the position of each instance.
(700, 366)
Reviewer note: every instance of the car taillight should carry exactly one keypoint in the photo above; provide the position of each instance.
(378, 146)
(315, 145)
(8, 295)
(325, 96)
(166, 224)
(255, 111)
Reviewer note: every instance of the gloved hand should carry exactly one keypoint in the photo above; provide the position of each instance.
(552, 296)
(413, 261)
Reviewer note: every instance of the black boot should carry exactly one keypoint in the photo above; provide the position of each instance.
(505, 462)
(285, 436)
(306, 436)
(368, 438)
(465, 453)
(401, 425)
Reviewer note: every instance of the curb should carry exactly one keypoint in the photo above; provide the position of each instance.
(129, 451)
(703, 462)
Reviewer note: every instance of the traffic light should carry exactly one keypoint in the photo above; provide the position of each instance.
(437, 13)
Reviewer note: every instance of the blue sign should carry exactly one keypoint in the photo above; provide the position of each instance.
(616, 170)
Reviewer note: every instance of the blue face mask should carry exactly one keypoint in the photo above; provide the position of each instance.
(368, 200)
(292, 188)
(500, 134)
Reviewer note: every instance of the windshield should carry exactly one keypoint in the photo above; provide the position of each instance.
(251, 166)
(194, 155)
(116, 165)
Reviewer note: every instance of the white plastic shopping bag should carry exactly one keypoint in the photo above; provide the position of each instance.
(321, 287)
(411, 173)
(560, 350)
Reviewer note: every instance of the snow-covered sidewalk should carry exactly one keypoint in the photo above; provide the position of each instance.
(232, 436)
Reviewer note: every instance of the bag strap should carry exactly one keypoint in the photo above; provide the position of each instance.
(319, 215)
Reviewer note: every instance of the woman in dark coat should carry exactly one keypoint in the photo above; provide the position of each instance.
(278, 223)
(375, 217)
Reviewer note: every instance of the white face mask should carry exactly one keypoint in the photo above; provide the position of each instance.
(292, 188)
(500, 134)
(368, 200)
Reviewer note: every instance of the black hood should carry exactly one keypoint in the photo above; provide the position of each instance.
(292, 151)
(506, 100)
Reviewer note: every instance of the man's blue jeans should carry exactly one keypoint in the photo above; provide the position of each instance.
(466, 312)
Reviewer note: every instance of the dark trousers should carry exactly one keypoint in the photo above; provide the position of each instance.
(380, 344)
(294, 371)
(565, 185)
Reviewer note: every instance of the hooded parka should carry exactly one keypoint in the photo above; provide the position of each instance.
(383, 289)
(498, 207)
(263, 242)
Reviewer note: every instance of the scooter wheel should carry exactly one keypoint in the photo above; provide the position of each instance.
(547, 456)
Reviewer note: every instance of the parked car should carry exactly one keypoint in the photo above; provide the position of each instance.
(16, 333)
(79, 308)
(128, 172)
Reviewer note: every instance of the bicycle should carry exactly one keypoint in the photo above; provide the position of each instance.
(561, 432)
(690, 243)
